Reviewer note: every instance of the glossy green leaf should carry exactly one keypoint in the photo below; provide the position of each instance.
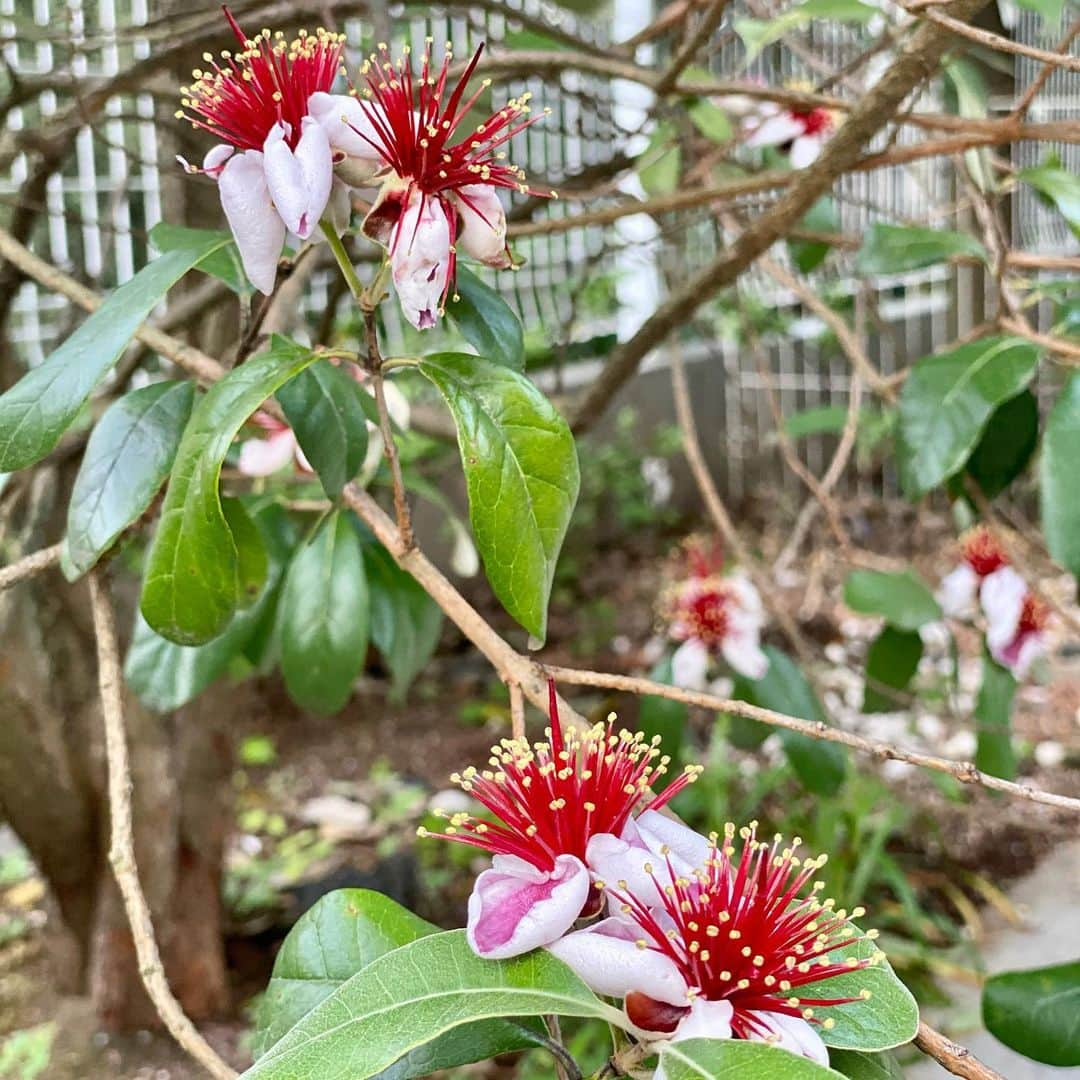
(127, 459)
(1059, 493)
(660, 166)
(325, 408)
(45, 402)
(224, 264)
(405, 621)
(970, 98)
(710, 120)
(1006, 445)
(1058, 186)
(324, 615)
(808, 255)
(521, 469)
(891, 662)
(947, 401)
(166, 676)
(406, 998)
(892, 249)
(820, 766)
(902, 598)
(888, 1017)
(252, 561)
(338, 937)
(993, 721)
(1037, 1012)
(857, 1065)
(191, 586)
(736, 1059)
(487, 321)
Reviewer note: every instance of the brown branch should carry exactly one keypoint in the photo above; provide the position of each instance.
(683, 58)
(517, 711)
(1068, 350)
(919, 59)
(122, 844)
(964, 771)
(952, 1057)
(29, 565)
(684, 413)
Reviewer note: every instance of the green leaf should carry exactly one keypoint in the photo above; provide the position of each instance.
(1037, 1012)
(487, 322)
(993, 721)
(710, 120)
(252, 561)
(734, 1059)
(191, 587)
(324, 616)
(1059, 187)
(857, 1065)
(891, 661)
(521, 469)
(127, 459)
(821, 420)
(405, 621)
(902, 597)
(406, 998)
(1059, 494)
(757, 34)
(166, 676)
(892, 249)
(810, 254)
(1049, 10)
(45, 402)
(661, 163)
(338, 937)
(969, 98)
(224, 264)
(662, 716)
(1006, 445)
(947, 401)
(325, 408)
(888, 1017)
(820, 766)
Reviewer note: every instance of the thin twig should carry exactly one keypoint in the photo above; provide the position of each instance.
(29, 565)
(964, 771)
(1040, 80)
(122, 843)
(684, 414)
(517, 711)
(710, 20)
(958, 1060)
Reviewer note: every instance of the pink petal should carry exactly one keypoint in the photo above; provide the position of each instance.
(262, 457)
(420, 259)
(606, 957)
(482, 233)
(791, 1033)
(258, 230)
(515, 908)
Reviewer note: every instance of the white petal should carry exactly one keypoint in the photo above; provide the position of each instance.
(958, 590)
(258, 230)
(688, 848)
(515, 908)
(805, 150)
(746, 594)
(1030, 648)
(776, 130)
(616, 861)
(351, 133)
(706, 1020)
(216, 157)
(689, 664)
(299, 180)
(482, 232)
(464, 559)
(261, 457)
(606, 958)
(791, 1033)
(1002, 597)
(742, 650)
(420, 259)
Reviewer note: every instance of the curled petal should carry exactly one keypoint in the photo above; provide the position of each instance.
(515, 908)
(705, 1020)
(689, 849)
(420, 258)
(258, 230)
(262, 457)
(776, 130)
(789, 1033)
(482, 234)
(690, 665)
(1002, 598)
(958, 591)
(300, 180)
(1020, 653)
(351, 132)
(805, 150)
(607, 958)
(216, 157)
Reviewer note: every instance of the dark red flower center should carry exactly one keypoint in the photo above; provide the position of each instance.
(814, 121)
(983, 551)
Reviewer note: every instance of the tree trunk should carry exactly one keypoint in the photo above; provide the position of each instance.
(53, 783)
